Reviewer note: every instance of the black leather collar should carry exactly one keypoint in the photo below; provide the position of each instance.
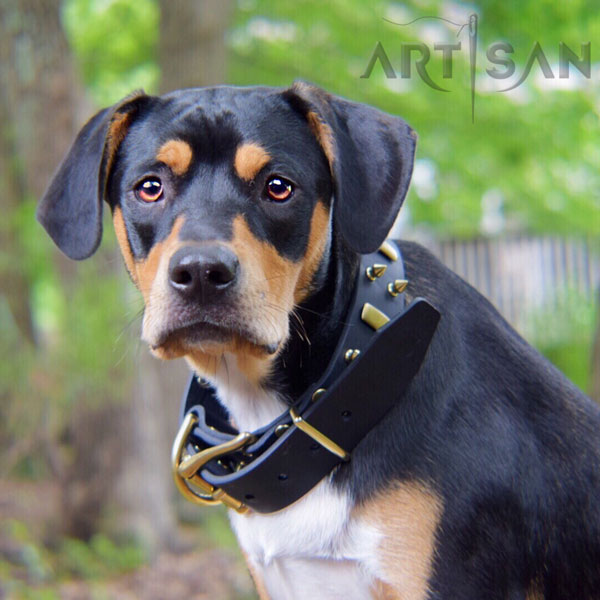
(281, 462)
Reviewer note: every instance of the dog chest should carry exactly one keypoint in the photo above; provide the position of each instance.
(313, 549)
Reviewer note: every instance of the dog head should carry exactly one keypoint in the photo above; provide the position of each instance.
(224, 203)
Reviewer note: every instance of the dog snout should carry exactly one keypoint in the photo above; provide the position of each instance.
(203, 273)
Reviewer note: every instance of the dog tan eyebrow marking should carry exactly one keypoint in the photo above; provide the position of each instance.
(323, 133)
(176, 154)
(249, 159)
(123, 240)
(407, 515)
(317, 241)
(146, 269)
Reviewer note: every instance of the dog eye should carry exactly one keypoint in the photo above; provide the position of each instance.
(149, 190)
(279, 189)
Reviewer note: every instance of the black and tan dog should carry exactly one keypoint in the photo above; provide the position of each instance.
(241, 215)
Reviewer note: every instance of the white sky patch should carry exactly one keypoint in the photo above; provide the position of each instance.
(457, 12)
(424, 179)
(434, 31)
(402, 223)
(398, 85)
(492, 212)
(272, 31)
(485, 84)
(398, 13)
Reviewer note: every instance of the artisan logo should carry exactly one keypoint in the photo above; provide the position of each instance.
(501, 66)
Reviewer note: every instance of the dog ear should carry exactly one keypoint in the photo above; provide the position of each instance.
(71, 208)
(371, 157)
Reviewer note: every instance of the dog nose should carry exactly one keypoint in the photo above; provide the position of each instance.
(202, 273)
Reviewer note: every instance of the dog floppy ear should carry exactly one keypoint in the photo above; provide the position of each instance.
(371, 157)
(71, 208)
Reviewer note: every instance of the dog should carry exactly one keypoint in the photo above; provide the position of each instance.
(242, 215)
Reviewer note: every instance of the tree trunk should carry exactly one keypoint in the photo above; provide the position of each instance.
(192, 47)
(37, 81)
(146, 489)
(41, 109)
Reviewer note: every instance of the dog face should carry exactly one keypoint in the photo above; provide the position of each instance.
(225, 201)
(222, 220)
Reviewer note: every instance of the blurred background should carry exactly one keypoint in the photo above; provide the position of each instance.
(511, 201)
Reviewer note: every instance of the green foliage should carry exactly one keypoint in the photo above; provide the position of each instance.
(563, 332)
(115, 45)
(85, 323)
(536, 149)
(33, 570)
(99, 558)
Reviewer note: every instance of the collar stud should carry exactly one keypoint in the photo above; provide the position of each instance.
(317, 394)
(351, 354)
(373, 316)
(388, 249)
(375, 271)
(397, 286)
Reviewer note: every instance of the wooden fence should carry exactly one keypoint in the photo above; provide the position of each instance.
(522, 275)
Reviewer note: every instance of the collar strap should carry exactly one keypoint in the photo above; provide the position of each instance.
(380, 350)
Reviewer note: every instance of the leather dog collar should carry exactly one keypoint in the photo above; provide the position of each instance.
(379, 352)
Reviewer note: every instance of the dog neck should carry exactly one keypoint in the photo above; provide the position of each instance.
(318, 324)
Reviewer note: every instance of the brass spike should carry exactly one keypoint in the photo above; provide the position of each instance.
(373, 316)
(397, 287)
(388, 249)
(351, 354)
(375, 271)
(318, 393)
(400, 285)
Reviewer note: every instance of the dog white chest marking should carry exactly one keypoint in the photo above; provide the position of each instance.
(312, 549)
(250, 406)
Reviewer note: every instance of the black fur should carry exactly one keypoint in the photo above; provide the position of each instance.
(510, 445)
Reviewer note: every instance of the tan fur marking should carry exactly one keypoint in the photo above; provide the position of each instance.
(270, 288)
(259, 584)
(383, 591)
(265, 300)
(319, 232)
(123, 240)
(116, 134)
(146, 270)
(534, 592)
(176, 154)
(324, 135)
(407, 516)
(249, 160)
(252, 361)
(269, 278)
(265, 267)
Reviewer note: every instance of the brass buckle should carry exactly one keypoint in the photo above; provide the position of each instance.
(186, 467)
(319, 437)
